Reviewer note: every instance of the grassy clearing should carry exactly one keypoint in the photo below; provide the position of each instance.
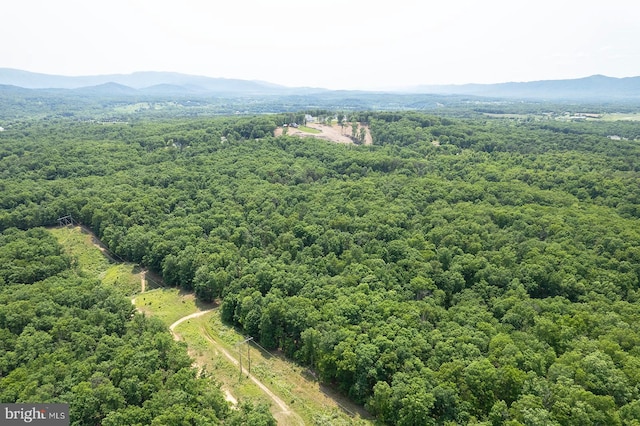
(125, 277)
(91, 260)
(215, 363)
(308, 129)
(86, 256)
(508, 115)
(167, 304)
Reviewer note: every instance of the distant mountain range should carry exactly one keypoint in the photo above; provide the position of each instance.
(597, 87)
(151, 82)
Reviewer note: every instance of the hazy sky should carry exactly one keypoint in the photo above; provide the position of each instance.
(347, 44)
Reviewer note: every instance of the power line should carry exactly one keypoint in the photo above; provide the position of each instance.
(66, 221)
(238, 345)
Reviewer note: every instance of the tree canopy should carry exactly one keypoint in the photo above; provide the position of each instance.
(457, 271)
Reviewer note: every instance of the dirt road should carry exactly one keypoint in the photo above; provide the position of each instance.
(183, 319)
(285, 411)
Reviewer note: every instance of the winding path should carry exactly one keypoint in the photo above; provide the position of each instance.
(284, 408)
(183, 319)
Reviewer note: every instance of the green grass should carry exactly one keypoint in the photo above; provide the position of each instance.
(167, 304)
(215, 363)
(125, 277)
(308, 129)
(190, 332)
(90, 260)
(86, 256)
(286, 379)
(227, 335)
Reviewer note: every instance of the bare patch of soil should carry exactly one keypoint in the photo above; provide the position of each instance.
(333, 133)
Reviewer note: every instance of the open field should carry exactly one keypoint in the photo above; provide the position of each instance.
(168, 304)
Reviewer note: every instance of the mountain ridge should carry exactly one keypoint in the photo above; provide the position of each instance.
(593, 87)
(140, 80)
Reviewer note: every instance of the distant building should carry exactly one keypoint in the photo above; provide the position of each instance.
(1, 129)
(585, 115)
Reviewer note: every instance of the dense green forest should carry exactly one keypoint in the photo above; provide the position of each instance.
(457, 271)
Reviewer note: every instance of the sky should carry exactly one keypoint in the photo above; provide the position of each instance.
(347, 44)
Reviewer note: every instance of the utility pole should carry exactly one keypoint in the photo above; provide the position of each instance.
(249, 356)
(247, 340)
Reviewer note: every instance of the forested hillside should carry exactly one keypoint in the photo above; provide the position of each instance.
(457, 271)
